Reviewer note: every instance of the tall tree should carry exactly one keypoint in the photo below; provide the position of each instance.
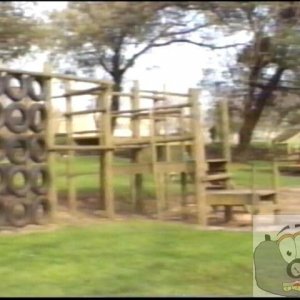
(114, 35)
(19, 31)
(264, 63)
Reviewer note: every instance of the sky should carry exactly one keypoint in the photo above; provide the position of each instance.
(179, 67)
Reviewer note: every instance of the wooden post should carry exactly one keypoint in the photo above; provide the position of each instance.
(166, 178)
(255, 197)
(275, 179)
(50, 141)
(137, 179)
(183, 175)
(70, 158)
(158, 176)
(199, 157)
(167, 156)
(225, 130)
(107, 155)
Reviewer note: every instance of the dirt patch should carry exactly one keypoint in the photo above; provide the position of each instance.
(88, 213)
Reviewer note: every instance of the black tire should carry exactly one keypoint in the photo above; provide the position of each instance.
(1, 85)
(44, 203)
(3, 178)
(11, 187)
(2, 148)
(33, 110)
(12, 124)
(38, 149)
(2, 111)
(10, 92)
(12, 145)
(2, 212)
(30, 88)
(12, 218)
(40, 189)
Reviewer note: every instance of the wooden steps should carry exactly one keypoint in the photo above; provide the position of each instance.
(291, 168)
(218, 177)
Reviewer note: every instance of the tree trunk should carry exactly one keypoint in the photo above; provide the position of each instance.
(254, 109)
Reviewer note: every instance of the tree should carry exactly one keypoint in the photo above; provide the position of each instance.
(262, 65)
(114, 35)
(19, 31)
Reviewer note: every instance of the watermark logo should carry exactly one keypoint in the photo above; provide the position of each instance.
(276, 257)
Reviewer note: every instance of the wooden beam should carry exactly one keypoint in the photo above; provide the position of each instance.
(137, 177)
(107, 156)
(70, 158)
(225, 130)
(52, 195)
(48, 75)
(199, 157)
(80, 148)
(83, 112)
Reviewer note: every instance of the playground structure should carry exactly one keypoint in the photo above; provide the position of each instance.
(210, 178)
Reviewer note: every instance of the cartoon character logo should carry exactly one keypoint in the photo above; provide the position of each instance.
(277, 262)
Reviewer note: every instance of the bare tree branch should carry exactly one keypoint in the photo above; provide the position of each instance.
(187, 31)
(213, 47)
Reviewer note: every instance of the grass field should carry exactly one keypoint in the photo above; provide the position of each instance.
(136, 258)
(132, 258)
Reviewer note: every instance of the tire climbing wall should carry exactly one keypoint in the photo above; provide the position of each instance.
(23, 166)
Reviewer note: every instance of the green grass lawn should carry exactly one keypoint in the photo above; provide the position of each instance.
(135, 258)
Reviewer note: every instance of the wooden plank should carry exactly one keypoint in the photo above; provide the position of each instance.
(216, 160)
(157, 112)
(107, 156)
(83, 112)
(275, 180)
(70, 158)
(137, 178)
(157, 177)
(80, 148)
(216, 177)
(199, 156)
(96, 90)
(48, 75)
(166, 93)
(162, 167)
(147, 140)
(261, 192)
(225, 130)
(52, 195)
(78, 174)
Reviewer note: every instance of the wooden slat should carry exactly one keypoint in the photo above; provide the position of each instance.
(216, 177)
(48, 75)
(70, 158)
(70, 93)
(107, 156)
(147, 140)
(226, 149)
(200, 160)
(166, 93)
(80, 148)
(137, 177)
(216, 160)
(84, 112)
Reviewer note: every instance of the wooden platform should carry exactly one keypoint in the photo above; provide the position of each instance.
(257, 201)
(238, 197)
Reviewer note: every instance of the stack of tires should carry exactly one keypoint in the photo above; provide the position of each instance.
(24, 176)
